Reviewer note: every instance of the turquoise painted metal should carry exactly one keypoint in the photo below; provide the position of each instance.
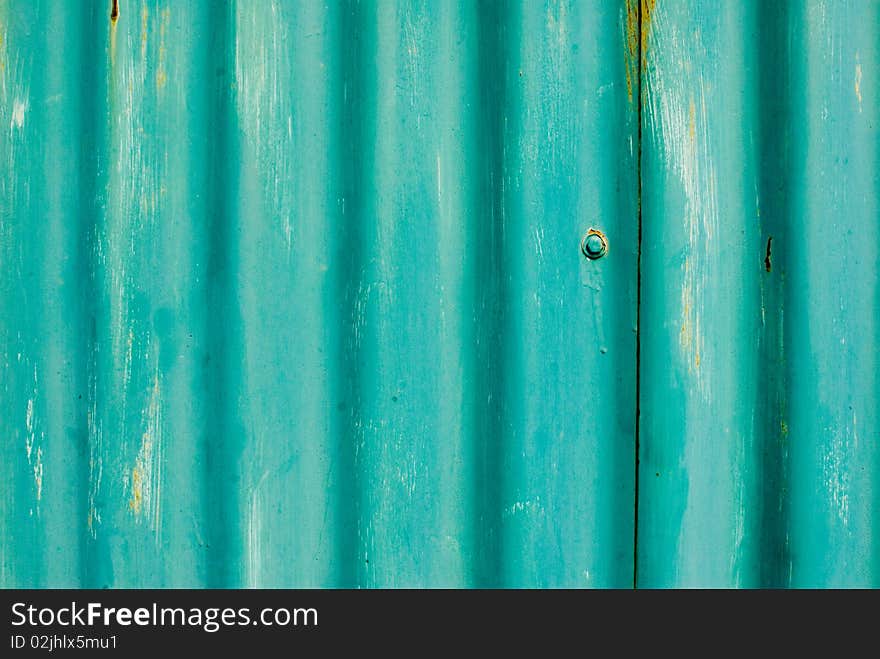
(759, 303)
(410, 293)
(293, 294)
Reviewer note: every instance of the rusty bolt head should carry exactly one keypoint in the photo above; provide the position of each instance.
(594, 245)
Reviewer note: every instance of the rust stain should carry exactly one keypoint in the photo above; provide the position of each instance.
(648, 7)
(114, 11)
(632, 46)
(161, 75)
(684, 336)
(638, 24)
(137, 492)
(145, 15)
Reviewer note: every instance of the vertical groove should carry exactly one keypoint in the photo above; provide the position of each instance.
(639, 73)
(94, 163)
(775, 178)
(224, 437)
(87, 165)
(491, 301)
(355, 162)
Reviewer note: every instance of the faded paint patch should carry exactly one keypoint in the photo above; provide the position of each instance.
(836, 468)
(262, 72)
(145, 30)
(14, 103)
(525, 506)
(161, 73)
(38, 475)
(145, 479)
(125, 244)
(96, 454)
(33, 447)
(255, 536)
(18, 109)
(677, 120)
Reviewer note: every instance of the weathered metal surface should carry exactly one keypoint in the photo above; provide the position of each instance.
(305, 294)
(759, 376)
(293, 293)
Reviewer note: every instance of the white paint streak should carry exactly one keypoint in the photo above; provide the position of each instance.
(145, 479)
(836, 468)
(18, 109)
(254, 536)
(29, 426)
(858, 82)
(33, 443)
(678, 120)
(525, 506)
(38, 474)
(263, 69)
(96, 452)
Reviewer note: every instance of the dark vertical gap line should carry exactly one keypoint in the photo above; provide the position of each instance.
(490, 297)
(639, 74)
(349, 259)
(224, 437)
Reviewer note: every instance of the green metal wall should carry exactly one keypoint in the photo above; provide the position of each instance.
(760, 306)
(292, 293)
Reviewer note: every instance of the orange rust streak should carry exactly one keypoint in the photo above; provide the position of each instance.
(647, 13)
(632, 45)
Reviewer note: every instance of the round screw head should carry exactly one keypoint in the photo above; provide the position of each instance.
(594, 245)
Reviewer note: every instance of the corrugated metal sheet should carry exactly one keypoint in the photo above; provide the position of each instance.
(293, 293)
(759, 377)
